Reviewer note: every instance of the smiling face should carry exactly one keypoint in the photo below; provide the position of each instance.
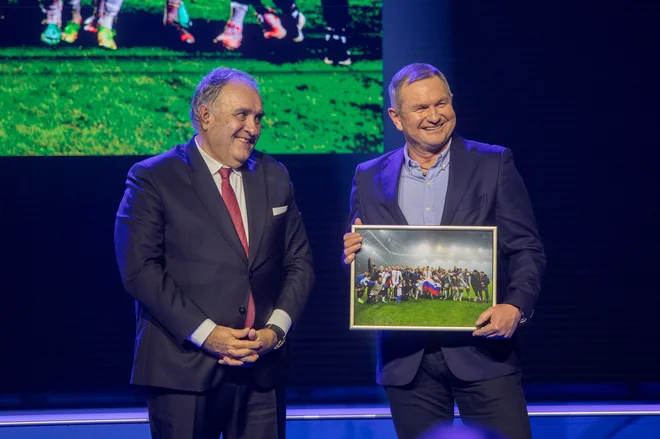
(425, 114)
(231, 127)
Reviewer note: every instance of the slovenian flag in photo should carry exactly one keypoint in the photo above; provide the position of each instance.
(430, 287)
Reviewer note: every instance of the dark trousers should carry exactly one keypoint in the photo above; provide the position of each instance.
(335, 14)
(237, 409)
(497, 404)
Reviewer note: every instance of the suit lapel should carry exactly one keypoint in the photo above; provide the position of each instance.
(254, 184)
(390, 175)
(211, 199)
(461, 167)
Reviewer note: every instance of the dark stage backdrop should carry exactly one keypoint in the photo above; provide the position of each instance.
(562, 84)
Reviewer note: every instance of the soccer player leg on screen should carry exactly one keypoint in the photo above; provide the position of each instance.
(91, 23)
(335, 14)
(269, 20)
(72, 28)
(232, 36)
(292, 19)
(106, 34)
(53, 32)
(176, 15)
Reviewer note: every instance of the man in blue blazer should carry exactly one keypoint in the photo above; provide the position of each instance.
(210, 243)
(440, 178)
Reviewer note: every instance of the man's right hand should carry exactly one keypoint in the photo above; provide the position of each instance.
(235, 347)
(352, 243)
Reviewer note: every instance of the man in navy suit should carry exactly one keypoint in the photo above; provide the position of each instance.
(440, 178)
(210, 243)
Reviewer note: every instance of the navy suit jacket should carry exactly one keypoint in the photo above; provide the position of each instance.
(484, 189)
(181, 259)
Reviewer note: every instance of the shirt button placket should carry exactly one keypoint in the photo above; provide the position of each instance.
(428, 198)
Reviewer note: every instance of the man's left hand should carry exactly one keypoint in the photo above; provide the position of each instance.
(502, 322)
(268, 340)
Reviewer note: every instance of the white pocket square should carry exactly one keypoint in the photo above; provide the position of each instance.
(279, 210)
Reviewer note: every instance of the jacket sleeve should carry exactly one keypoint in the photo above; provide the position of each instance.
(518, 237)
(140, 253)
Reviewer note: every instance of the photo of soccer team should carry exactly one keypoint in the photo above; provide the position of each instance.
(423, 277)
(398, 283)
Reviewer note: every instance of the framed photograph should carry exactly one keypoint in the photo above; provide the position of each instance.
(423, 277)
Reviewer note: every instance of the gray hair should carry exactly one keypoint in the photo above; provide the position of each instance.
(409, 74)
(209, 88)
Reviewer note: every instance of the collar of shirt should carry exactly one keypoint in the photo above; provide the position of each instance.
(213, 165)
(413, 168)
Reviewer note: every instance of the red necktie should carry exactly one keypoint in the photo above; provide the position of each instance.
(232, 205)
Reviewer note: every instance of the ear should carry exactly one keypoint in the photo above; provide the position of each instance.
(205, 117)
(395, 118)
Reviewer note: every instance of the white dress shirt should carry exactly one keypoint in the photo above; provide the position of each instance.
(278, 317)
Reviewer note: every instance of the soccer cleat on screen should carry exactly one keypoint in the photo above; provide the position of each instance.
(184, 35)
(51, 35)
(273, 25)
(91, 24)
(231, 37)
(343, 62)
(106, 38)
(71, 31)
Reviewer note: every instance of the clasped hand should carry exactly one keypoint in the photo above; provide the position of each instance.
(239, 347)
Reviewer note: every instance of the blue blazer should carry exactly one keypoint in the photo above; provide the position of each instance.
(484, 189)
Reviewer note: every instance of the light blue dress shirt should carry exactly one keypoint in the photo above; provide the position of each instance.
(422, 199)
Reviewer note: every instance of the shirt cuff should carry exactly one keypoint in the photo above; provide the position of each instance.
(202, 332)
(280, 318)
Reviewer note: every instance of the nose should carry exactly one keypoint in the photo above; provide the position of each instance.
(252, 126)
(433, 115)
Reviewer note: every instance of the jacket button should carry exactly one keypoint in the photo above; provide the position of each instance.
(241, 310)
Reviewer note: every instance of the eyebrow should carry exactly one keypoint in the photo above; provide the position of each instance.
(439, 101)
(249, 111)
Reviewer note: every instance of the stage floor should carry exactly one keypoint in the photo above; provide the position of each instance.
(574, 421)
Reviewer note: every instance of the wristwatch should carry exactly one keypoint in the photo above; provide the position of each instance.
(279, 333)
(523, 318)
